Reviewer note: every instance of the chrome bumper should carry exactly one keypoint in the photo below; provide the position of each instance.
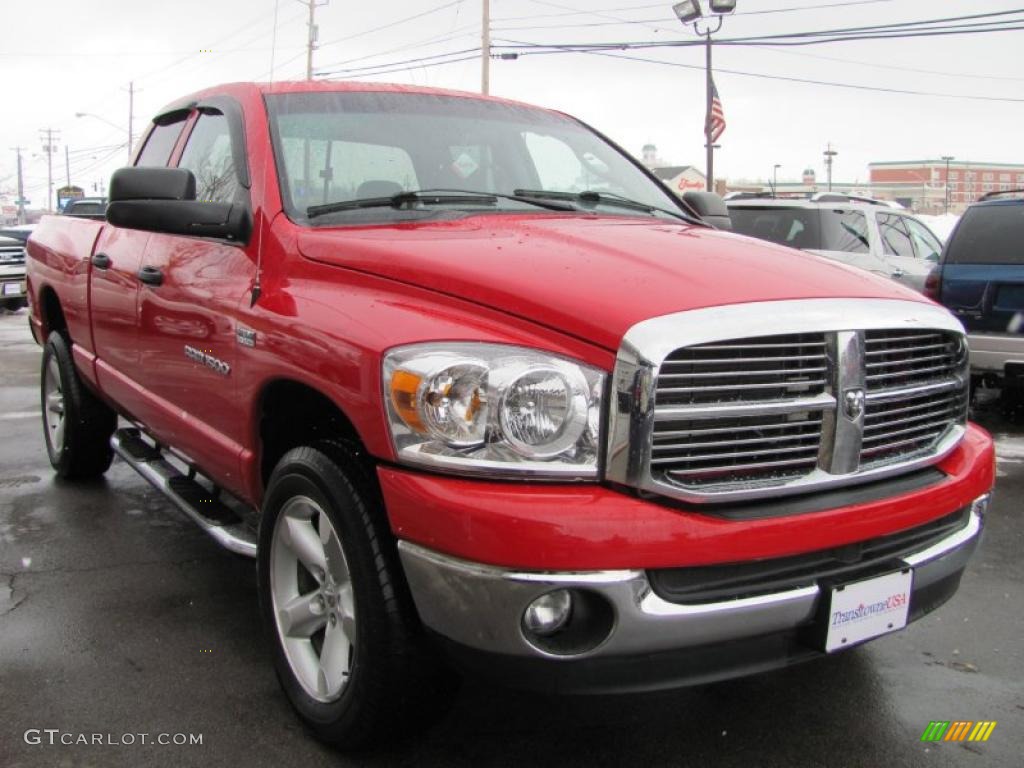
(481, 607)
(991, 352)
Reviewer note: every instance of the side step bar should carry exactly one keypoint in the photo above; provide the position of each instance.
(219, 521)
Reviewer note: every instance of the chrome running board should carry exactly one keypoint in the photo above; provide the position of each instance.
(216, 519)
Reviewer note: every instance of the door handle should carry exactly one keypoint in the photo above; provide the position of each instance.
(101, 261)
(151, 276)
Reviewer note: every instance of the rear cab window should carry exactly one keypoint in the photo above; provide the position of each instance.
(989, 234)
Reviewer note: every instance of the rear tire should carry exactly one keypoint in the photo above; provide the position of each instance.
(76, 424)
(347, 644)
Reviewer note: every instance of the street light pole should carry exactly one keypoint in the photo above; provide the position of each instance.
(947, 158)
(690, 12)
(775, 179)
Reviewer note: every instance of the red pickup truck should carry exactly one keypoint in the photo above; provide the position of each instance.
(471, 384)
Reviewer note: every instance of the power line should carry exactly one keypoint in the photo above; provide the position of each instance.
(389, 25)
(892, 67)
(424, 65)
(355, 70)
(809, 81)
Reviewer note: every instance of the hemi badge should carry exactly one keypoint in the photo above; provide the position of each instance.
(246, 337)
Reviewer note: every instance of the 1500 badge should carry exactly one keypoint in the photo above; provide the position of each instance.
(208, 360)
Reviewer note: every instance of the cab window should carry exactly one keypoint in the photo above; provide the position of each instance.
(208, 155)
(159, 145)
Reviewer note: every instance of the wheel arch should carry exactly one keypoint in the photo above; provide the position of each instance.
(51, 313)
(290, 413)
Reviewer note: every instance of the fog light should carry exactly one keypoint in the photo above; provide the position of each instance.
(980, 505)
(548, 613)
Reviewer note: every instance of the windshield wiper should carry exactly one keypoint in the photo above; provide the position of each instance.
(429, 197)
(593, 197)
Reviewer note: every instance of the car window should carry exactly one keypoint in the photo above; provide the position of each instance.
(895, 238)
(988, 234)
(795, 227)
(159, 145)
(926, 244)
(329, 170)
(208, 155)
(844, 231)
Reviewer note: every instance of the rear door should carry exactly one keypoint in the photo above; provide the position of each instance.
(983, 268)
(114, 286)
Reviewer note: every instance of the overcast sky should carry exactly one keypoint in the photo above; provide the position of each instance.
(61, 57)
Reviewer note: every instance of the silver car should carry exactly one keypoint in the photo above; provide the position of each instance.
(12, 272)
(870, 235)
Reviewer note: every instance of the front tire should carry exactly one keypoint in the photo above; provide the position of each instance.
(345, 636)
(76, 424)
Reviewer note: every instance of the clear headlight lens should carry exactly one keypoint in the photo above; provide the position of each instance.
(493, 409)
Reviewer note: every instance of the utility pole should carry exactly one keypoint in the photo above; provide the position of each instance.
(21, 189)
(131, 117)
(47, 134)
(829, 154)
(67, 165)
(485, 50)
(313, 34)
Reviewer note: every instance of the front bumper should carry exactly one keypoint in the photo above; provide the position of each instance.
(650, 643)
(990, 353)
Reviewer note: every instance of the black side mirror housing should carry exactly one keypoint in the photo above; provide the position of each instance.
(163, 200)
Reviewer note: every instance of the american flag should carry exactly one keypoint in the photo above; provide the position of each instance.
(716, 120)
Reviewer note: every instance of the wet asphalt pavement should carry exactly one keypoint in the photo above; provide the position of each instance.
(118, 616)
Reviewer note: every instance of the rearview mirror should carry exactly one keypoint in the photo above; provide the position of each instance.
(163, 200)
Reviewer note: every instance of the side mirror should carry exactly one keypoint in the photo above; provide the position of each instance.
(163, 200)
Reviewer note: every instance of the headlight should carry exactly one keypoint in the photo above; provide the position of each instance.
(493, 409)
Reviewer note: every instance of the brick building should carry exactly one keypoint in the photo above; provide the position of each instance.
(921, 184)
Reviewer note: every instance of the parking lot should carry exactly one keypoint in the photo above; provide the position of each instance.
(118, 616)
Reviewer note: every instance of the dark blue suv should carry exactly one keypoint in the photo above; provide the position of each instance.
(980, 278)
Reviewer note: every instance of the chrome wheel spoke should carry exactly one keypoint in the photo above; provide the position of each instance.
(303, 540)
(304, 615)
(53, 409)
(315, 617)
(336, 563)
(334, 661)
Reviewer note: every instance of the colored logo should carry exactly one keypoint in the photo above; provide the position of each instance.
(958, 730)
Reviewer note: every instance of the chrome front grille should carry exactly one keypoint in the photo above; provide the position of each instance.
(705, 452)
(833, 392)
(744, 370)
(910, 403)
(12, 254)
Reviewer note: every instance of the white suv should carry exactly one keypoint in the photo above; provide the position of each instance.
(870, 235)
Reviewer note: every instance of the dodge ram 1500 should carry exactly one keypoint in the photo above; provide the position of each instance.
(472, 386)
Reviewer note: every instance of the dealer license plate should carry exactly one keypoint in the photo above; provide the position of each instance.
(869, 608)
(12, 289)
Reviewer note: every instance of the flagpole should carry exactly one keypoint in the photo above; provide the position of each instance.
(707, 117)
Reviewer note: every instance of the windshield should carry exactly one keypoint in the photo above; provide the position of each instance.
(807, 228)
(344, 146)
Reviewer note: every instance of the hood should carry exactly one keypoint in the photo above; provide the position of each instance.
(591, 277)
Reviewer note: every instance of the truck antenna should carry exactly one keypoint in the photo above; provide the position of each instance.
(256, 285)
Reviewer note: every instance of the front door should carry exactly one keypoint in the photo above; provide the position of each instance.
(188, 316)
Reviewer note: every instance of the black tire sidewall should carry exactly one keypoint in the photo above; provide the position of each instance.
(308, 472)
